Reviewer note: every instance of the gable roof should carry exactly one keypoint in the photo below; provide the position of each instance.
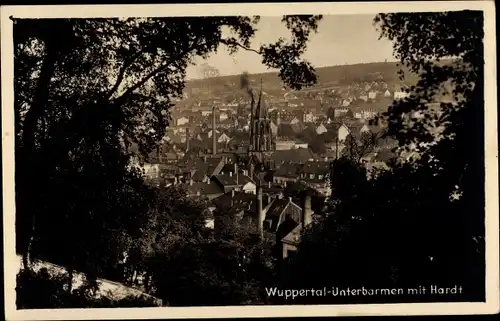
(275, 211)
(287, 170)
(297, 156)
(293, 238)
(319, 168)
(240, 199)
(227, 181)
(204, 189)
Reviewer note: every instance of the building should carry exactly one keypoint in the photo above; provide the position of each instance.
(286, 173)
(262, 140)
(341, 111)
(343, 132)
(182, 121)
(400, 95)
(289, 239)
(321, 129)
(285, 144)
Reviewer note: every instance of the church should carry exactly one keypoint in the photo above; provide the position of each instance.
(262, 141)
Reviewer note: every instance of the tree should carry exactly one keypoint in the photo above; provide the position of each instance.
(419, 222)
(85, 89)
(297, 191)
(357, 149)
(231, 266)
(172, 220)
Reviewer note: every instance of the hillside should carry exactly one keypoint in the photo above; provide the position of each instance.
(327, 77)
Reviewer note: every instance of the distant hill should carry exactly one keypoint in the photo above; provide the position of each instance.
(327, 77)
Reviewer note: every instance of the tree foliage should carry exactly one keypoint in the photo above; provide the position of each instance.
(85, 91)
(420, 222)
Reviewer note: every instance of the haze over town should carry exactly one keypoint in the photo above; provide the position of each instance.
(336, 43)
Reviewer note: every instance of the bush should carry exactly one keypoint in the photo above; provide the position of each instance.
(41, 290)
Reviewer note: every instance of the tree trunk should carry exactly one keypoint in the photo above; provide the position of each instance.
(27, 259)
(146, 281)
(134, 277)
(29, 147)
(70, 280)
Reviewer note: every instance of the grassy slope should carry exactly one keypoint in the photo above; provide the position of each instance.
(327, 77)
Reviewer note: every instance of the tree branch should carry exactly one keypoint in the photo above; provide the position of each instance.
(126, 64)
(229, 42)
(155, 71)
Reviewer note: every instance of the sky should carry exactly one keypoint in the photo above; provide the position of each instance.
(342, 39)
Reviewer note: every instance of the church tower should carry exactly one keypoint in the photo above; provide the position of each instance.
(262, 141)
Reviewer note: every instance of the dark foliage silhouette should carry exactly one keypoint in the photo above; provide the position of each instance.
(85, 91)
(419, 222)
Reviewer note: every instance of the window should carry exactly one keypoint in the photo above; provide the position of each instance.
(291, 253)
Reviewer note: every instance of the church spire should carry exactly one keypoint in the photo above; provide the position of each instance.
(261, 110)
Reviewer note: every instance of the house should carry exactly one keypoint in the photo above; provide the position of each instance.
(272, 190)
(151, 171)
(204, 168)
(316, 176)
(279, 211)
(400, 95)
(372, 95)
(289, 233)
(365, 129)
(182, 121)
(296, 156)
(208, 190)
(368, 113)
(294, 120)
(285, 144)
(345, 103)
(387, 93)
(321, 129)
(274, 129)
(289, 131)
(300, 144)
(223, 116)
(341, 111)
(309, 117)
(209, 133)
(343, 132)
(235, 182)
(286, 173)
(223, 139)
(364, 98)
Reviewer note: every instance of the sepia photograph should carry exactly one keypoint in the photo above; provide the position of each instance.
(249, 160)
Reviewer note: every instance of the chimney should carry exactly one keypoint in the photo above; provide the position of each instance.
(191, 182)
(260, 213)
(187, 139)
(214, 135)
(204, 158)
(250, 173)
(236, 173)
(159, 150)
(306, 211)
(289, 198)
(232, 193)
(268, 184)
(278, 119)
(230, 174)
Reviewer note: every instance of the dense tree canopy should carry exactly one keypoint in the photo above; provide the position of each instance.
(419, 222)
(85, 90)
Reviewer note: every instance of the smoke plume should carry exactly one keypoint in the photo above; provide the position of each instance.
(245, 84)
